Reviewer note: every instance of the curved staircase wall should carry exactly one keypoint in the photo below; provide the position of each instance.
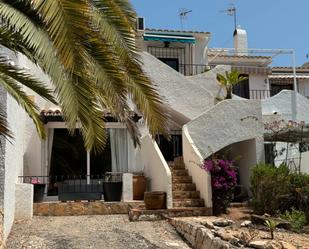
(230, 122)
(155, 168)
(193, 160)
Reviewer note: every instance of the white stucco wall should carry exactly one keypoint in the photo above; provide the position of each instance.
(228, 122)
(23, 201)
(13, 160)
(246, 153)
(33, 144)
(208, 81)
(258, 82)
(150, 158)
(288, 104)
(193, 160)
(181, 94)
(127, 187)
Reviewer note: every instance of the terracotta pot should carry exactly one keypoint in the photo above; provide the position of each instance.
(139, 187)
(155, 200)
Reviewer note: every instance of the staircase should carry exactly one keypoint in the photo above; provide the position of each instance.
(186, 199)
(184, 190)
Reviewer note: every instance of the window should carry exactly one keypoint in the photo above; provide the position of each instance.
(172, 62)
(242, 88)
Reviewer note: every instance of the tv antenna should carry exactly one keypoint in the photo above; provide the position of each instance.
(183, 13)
(231, 11)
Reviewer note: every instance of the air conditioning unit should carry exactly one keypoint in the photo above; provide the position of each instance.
(140, 24)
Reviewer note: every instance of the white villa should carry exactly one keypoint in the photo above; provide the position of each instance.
(184, 69)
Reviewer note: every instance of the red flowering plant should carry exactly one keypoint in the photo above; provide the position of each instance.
(35, 181)
(223, 181)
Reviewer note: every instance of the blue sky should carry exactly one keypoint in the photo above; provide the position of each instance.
(269, 23)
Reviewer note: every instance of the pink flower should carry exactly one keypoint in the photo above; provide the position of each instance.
(35, 181)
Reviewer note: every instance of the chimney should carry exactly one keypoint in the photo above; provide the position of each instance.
(240, 41)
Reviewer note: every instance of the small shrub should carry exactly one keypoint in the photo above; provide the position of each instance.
(297, 219)
(269, 185)
(223, 181)
(271, 225)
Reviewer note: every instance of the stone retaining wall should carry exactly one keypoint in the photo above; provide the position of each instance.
(199, 236)
(152, 215)
(82, 208)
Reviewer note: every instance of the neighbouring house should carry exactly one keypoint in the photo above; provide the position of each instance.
(282, 78)
(184, 71)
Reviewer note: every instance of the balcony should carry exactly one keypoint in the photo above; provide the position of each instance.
(192, 69)
(261, 94)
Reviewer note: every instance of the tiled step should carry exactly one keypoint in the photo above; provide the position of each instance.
(178, 166)
(188, 203)
(179, 163)
(186, 195)
(179, 172)
(184, 187)
(182, 179)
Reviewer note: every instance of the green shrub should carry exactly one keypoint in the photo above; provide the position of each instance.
(269, 186)
(299, 180)
(297, 219)
(277, 189)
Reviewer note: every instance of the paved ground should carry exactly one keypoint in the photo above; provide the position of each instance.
(85, 232)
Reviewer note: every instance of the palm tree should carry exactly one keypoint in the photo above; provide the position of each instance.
(88, 49)
(229, 80)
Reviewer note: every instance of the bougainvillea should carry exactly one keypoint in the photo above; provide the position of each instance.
(223, 181)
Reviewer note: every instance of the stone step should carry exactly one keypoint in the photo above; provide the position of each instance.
(151, 215)
(186, 194)
(178, 159)
(180, 172)
(188, 203)
(184, 187)
(179, 163)
(178, 166)
(182, 179)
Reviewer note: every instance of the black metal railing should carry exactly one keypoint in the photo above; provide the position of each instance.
(192, 69)
(53, 185)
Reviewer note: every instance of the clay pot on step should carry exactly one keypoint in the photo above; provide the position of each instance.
(155, 200)
(139, 187)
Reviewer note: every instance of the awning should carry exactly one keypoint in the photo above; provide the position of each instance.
(286, 79)
(288, 76)
(252, 70)
(169, 38)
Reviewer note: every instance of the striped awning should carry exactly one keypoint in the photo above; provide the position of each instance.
(252, 70)
(169, 38)
(286, 79)
(288, 76)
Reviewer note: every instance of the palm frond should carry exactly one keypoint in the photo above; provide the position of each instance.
(88, 49)
(15, 90)
(26, 79)
(4, 126)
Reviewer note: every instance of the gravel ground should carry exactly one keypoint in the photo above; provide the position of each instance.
(85, 232)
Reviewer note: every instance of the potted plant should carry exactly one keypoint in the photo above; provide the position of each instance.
(38, 190)
(155, 200)
(139, 186)
(112, 186)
